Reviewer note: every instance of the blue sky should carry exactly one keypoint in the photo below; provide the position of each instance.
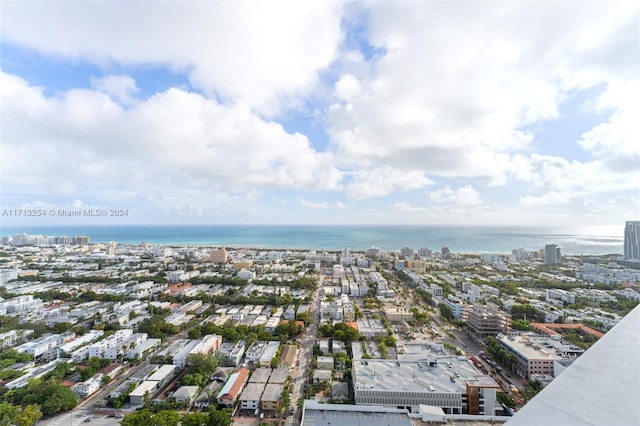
(321, 112)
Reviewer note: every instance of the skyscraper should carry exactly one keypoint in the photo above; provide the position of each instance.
(632, 240)
(552, 254)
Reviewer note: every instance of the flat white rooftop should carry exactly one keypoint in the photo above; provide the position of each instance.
(529, 348)
(414, 376)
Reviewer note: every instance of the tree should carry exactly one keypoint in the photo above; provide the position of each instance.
(195, 419)
(195, 333)
(8, 413)
(139, 418)
(531, 389)
(166, 418)
(203, 364)
(56, 398)
(446, 312)
(61, 327)
(219, 418)
(28, 415)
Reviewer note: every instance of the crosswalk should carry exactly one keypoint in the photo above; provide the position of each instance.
(72, 418)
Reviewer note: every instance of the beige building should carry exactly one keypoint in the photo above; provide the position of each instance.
(398, 314)
(418, 266)
(271, 397)
(531, 358)
(218, 256)
(484, 322)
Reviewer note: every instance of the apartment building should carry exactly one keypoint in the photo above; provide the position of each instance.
(484, 321)
(37, 348)
(232, 353)
(531, 358)
(255, 351)
(122, 348)
(99, 348)
(12, 338)
(457, 306)
(218, 256)
(88, 387)
(250, 397)
(271, 397)
(19, 305)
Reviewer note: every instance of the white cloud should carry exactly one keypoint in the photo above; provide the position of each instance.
(370, 183)
(323, 205)
(466, 195)
(262, 54)
(455, 103)
(446, 92)
(120, 87)
(84, 141)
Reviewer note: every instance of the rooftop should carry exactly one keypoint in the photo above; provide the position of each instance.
(279, 375)
(528, 347)
(316, 414)
(272, 393)
(260, 375)
(448, 375)
(252, 392)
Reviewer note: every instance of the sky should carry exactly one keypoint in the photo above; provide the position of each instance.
(320, 112)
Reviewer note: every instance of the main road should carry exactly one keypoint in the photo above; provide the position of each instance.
(305, 354)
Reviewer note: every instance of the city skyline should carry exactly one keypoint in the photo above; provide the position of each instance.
(320, 113)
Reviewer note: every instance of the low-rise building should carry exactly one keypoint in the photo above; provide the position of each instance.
(394, 314)
(233, 387)
(185, 394)
(449, 382)
(205, 398)
(255, 351)
(269, 353)
(288, 356)
(530, 357)
(271, 397)
(163, 375)
(88, 387)
(250, 397)
(324, 363)
(37, 348)
(232, 353)
(145, 390)
(321, 376)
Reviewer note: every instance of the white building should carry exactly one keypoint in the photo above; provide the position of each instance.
(37, 348)
(99, 348)
(88, 387)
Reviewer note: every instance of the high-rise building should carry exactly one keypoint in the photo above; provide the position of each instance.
(81, 240)
(111, 248)
(445, 252)
(552, 254)
(632, 240)
(406, 252)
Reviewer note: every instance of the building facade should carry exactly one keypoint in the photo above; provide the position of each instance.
(632, 240)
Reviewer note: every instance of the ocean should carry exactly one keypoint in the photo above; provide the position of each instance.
(459, 239)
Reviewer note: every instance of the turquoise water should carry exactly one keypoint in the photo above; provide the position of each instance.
(462, 239)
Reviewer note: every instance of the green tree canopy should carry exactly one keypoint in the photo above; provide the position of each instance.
(56, 398)
(219, 418)
(165, 418)
(195, 419)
